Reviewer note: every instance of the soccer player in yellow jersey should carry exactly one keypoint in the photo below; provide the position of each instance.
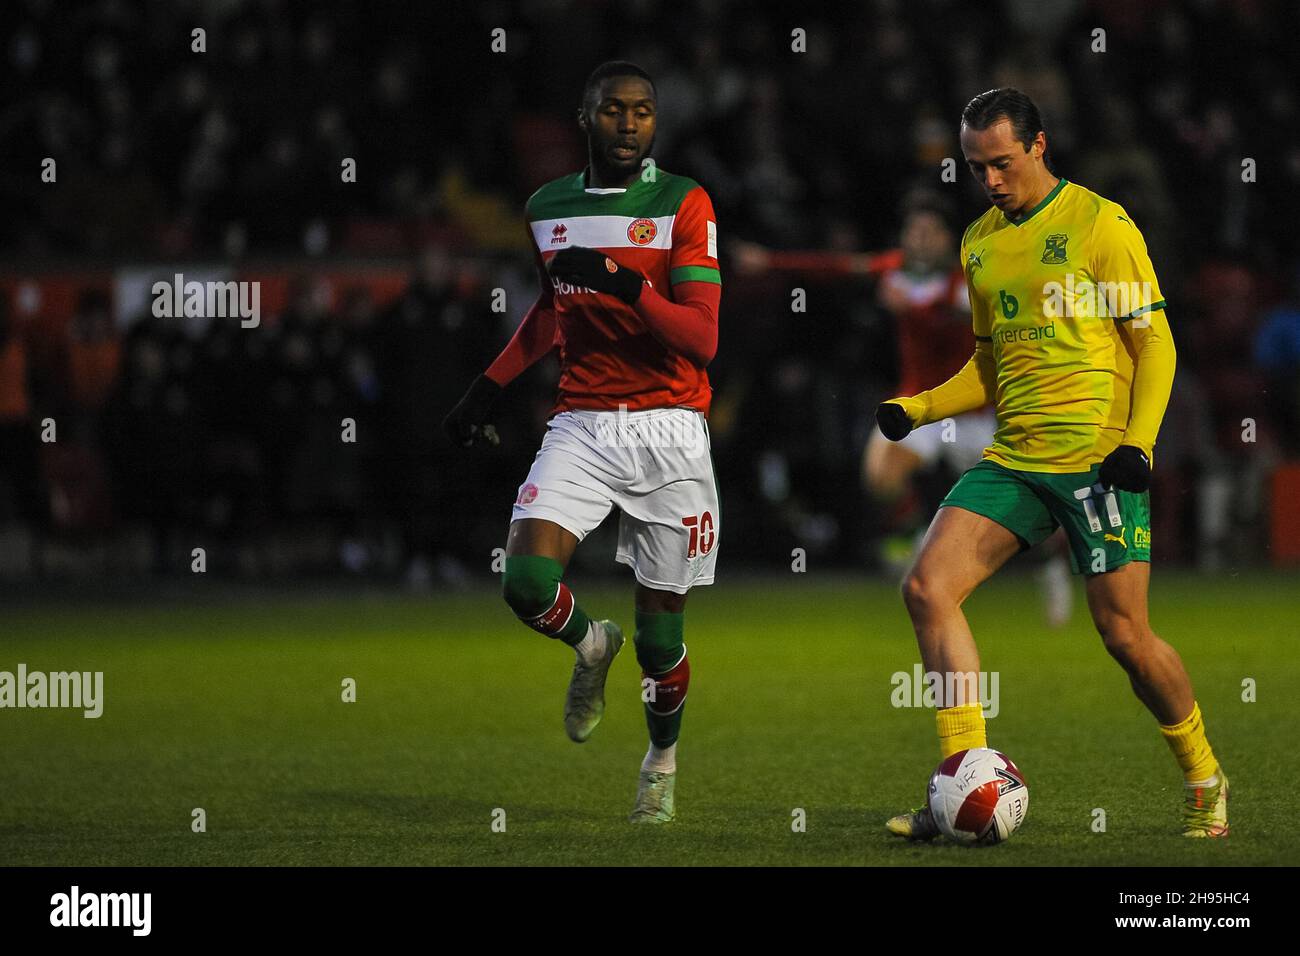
(1074, 350)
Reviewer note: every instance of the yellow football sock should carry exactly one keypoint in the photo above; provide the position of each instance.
(1192, 751)
(961, 728)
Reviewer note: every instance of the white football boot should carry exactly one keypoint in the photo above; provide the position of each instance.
(654, 798)
(584, 704)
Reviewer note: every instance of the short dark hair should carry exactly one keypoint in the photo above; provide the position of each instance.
(612, 68)
(1005, 102)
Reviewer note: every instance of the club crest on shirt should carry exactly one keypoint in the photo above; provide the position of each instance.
(974, 260)
(1054, 250)
(642, 231)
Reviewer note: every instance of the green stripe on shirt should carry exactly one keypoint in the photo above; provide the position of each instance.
(1154, 306)
(695, 274)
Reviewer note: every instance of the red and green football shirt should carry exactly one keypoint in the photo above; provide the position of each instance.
(663, 226)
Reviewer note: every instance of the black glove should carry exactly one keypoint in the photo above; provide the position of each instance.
(468, 422)
(594, 270)
(893, 421)
(1126, 468)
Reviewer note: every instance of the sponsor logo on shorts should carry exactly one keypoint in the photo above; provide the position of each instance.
(527, 494)
(1141, 537)
(1120, 539)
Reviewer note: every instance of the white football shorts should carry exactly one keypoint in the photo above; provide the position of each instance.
(655, 466)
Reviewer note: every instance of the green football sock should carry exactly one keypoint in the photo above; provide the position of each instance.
(662, 655)
(534, 591)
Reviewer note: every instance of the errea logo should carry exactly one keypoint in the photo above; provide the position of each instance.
(557, 234)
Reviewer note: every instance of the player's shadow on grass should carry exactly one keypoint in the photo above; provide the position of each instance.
(865, 827)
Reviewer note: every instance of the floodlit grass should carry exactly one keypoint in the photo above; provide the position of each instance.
(235, 706)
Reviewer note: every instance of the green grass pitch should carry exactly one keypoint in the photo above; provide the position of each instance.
(234, 705)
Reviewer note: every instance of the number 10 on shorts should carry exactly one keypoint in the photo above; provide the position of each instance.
(1089, 495)
(702, 536)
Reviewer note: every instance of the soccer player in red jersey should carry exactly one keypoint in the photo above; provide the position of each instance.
(628, 261)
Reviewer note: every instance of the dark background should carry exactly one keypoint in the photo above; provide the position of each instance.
(376, 294)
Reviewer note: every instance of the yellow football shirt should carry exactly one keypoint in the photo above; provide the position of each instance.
(1068, 300)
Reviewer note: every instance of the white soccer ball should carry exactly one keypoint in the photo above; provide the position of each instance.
(978, 796)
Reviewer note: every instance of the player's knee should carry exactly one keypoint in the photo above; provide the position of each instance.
(913, 591)
(923, 594)
(1122, 636)
(529, 584)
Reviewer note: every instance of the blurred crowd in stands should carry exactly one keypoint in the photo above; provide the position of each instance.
(1189, 116)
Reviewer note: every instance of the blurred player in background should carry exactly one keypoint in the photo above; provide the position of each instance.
(921, 286)
(1073, 346)
(627, 256)
(19, 443)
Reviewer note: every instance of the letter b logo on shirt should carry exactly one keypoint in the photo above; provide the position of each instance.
(1009, 304)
